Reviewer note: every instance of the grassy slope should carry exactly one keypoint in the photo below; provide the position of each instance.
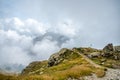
(73, 66)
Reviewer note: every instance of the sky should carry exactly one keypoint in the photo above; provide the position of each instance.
(32, 30)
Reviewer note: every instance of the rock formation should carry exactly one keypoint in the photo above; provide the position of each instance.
(56, 58)
(111, 51)
(108, 50)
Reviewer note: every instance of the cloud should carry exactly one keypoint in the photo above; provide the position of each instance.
(67, 28)
(35, 27)
(53, 36)
(45, 48)
(29, 26)
(22, 41)
(13, 55)
(13, 47)
(17, 41)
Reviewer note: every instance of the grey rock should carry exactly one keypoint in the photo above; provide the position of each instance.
(117, 48)
(58, 57)
(94, 54)
(116, 56)
(108, 50)
(117, 52)
(103, 60)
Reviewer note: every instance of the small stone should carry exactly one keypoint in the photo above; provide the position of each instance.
(103, 60)
(41, 73)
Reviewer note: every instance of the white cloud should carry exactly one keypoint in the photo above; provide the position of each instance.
(17, 22)
(28, 26)
(66, 27)
(13, 47)
(35, 26)
(45, 48)
(13, 55)
(12, 38)
(16, 42)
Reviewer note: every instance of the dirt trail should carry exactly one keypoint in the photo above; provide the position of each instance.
(88, 60)
(111, 74)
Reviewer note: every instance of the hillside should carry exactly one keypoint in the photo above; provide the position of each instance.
(77, 63)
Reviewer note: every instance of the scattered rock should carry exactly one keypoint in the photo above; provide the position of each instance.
(116, 66)
(117, 52)
(94, 54)
(109, 52)
(41, 72)
(117, 49)
(111, 74)
(103, 60)
(116, 56)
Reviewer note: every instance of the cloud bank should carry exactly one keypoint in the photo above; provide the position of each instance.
(23, 41)
(33, 30)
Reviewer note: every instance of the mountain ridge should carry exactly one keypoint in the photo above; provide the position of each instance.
(77, 63)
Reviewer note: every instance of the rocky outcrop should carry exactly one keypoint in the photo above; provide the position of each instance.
(64, 53)
(59, 57)
(108, 50)
(111, 51)
(109, 56)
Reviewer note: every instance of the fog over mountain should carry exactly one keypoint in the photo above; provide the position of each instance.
(34, 29)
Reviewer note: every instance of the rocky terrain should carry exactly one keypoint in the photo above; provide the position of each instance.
(111, 74)
(76, 64)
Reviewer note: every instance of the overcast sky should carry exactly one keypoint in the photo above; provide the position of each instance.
(34, 29)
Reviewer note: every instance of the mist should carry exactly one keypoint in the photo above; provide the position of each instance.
(32, 30)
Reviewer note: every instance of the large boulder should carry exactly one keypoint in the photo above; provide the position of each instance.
(58, 57)
(111, 51)
(108, 50)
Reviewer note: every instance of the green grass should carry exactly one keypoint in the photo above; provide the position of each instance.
(110, 63)
(87, 50)
(73, 66)
(35, 67)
